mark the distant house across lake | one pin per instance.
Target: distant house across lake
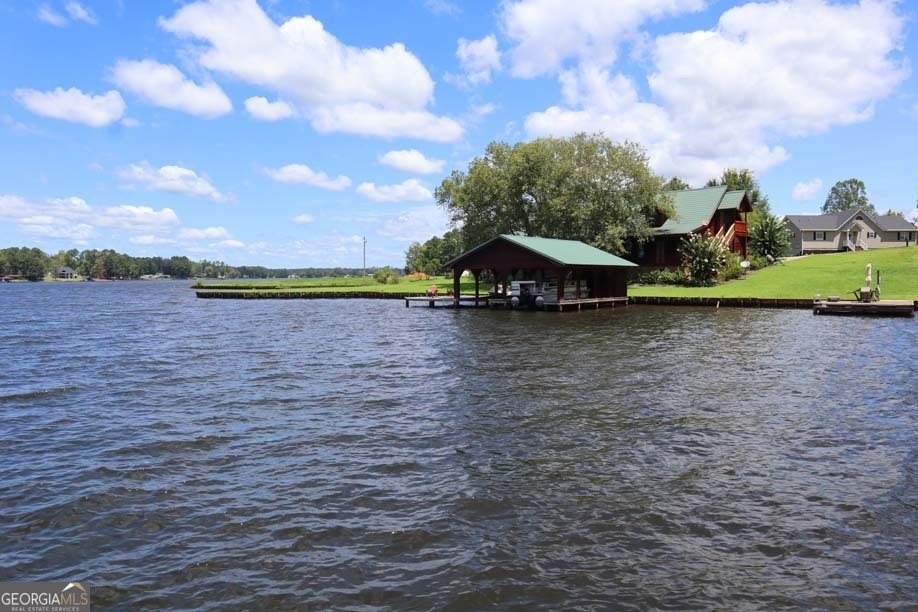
(851, 230)
(716, 210)
(66, 272)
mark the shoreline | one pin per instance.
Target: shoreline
(713, 302)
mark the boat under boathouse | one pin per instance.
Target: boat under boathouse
(542, 273)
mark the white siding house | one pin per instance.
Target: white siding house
(851, 230)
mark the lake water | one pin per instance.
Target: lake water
(356, 454)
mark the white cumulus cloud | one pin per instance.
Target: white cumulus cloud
(174, 179)
(726, 97)
(370, 120)
(149, 239)
(300, 173)
(264, 110)
(50, 16)
(303, 219)
(136, 218)
(208, 233)
(408, 191)
(548, 32)
(78, 12)
(336, 85)
(416, 224)
(76, 219)
(74, 105)
(412, 160)
(229, 244)
(164, 85)
(478, 58)
(805, 191)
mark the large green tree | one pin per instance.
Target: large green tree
(432, 256)
(846, 195)
(582, 188)
(676, 184)
(736, 179)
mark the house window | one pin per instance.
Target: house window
(871, 234)
(859, 218)
(819, 235)
(903, 236)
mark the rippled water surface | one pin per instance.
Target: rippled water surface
(356, 454)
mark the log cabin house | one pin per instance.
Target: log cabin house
(712, 209)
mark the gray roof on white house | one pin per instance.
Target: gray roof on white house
(834, 221)
(894, 223)
(816, 222)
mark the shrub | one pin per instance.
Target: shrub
(386, 276)
(704, 258)
(660, 277)
(733, 269)
(757, 263)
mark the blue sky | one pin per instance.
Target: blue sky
(281, 132)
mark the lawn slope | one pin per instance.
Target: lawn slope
(828, 274)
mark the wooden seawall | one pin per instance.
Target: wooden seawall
(882, 308)
(715, 302)
(708, 302)
(302, 295)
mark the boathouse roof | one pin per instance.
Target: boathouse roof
(561, 252)
(696, 207)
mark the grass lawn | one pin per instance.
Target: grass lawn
(829, 274)
(315, 285)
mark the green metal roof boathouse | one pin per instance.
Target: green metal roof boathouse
(543, 273)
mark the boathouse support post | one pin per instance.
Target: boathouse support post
(457, 274)
(477, 274)
(562, 281)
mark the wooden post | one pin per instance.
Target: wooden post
(457, 273)
(578, 286)
(562, 280)
(477, 274)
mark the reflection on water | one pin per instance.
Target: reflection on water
(312, 454)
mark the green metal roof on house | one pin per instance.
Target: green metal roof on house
(568, 252)
(694, 208)
(732, 199)
(563, 252)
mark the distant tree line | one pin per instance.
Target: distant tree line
(432, 256)
(35, 264)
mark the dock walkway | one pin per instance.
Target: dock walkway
(881, 308)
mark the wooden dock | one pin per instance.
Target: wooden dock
(881, 308)
(447, 301)
(586, 304)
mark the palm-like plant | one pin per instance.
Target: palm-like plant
(704, 257)
(769, 236)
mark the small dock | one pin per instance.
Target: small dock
(881, 308)
(447, 301)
